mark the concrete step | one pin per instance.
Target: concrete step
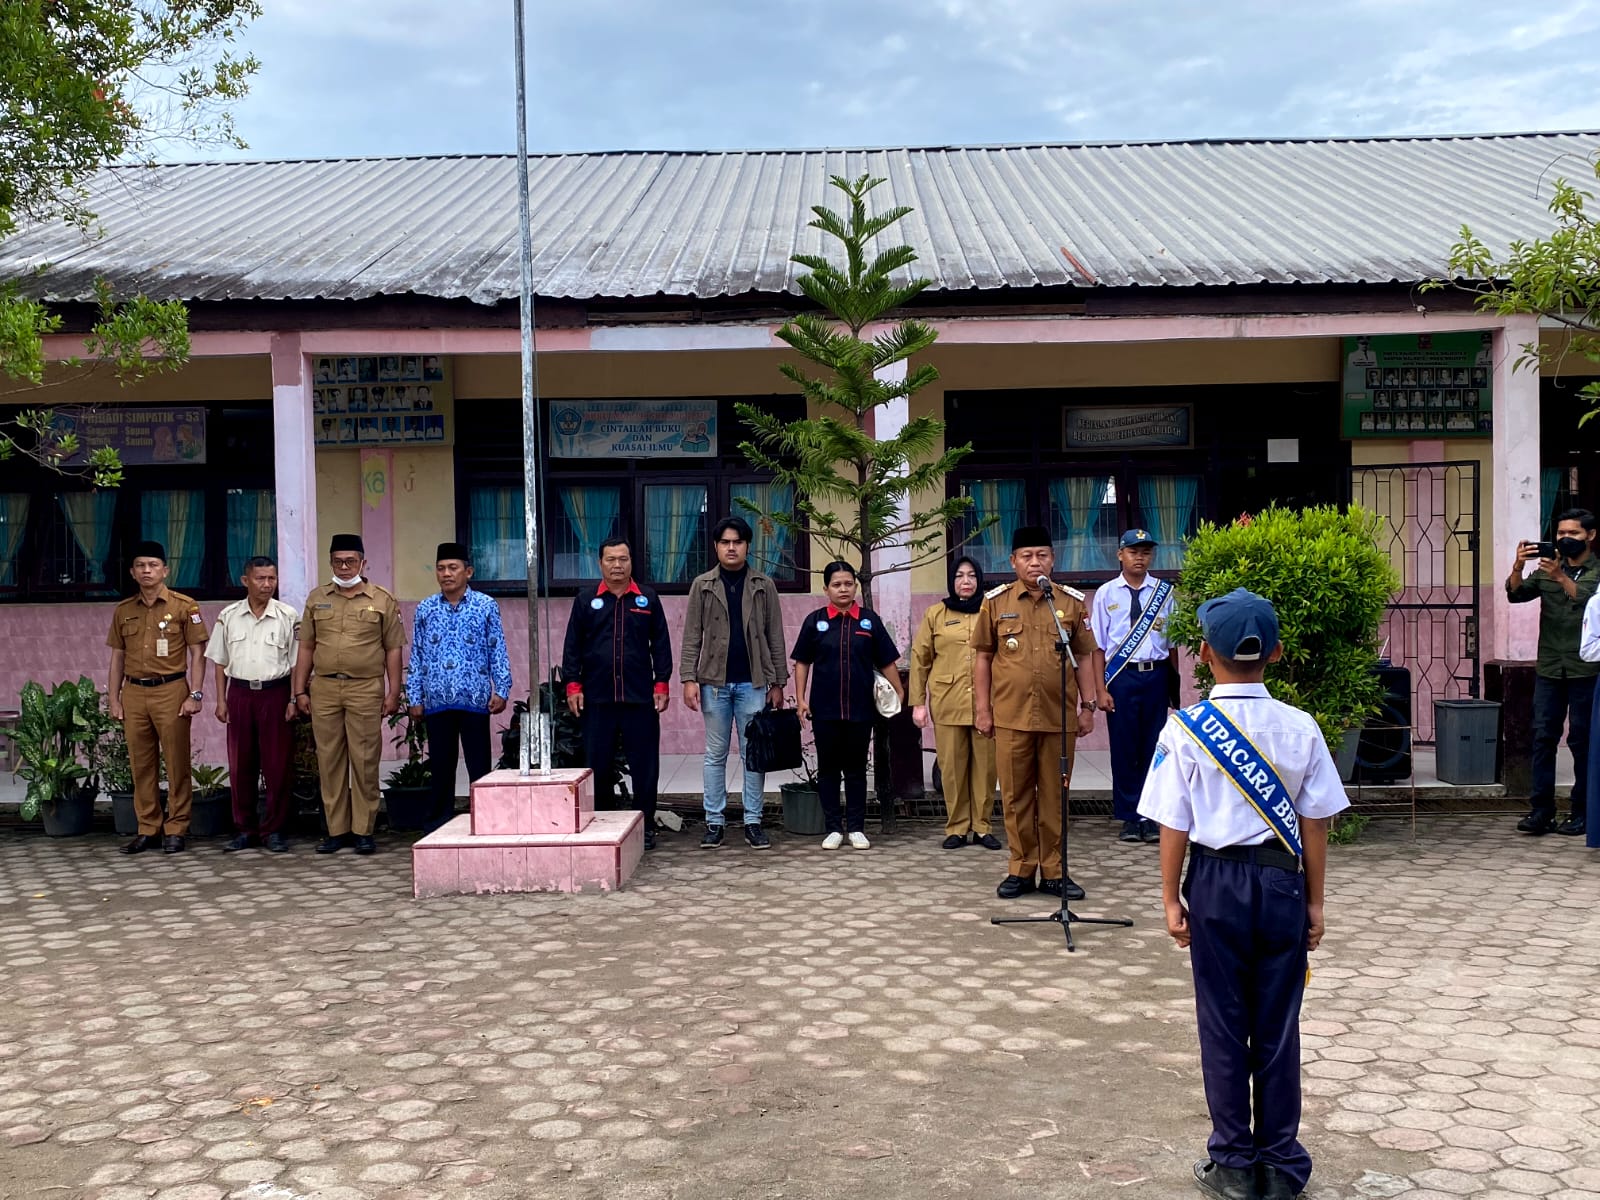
(453, 861)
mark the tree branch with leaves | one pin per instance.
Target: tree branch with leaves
(854, 492)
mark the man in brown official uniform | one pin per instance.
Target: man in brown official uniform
(157, 642)
(351, 634)
(1017, 700)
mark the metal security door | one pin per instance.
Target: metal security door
(1430, 532)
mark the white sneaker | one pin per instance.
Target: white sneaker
(833, 841)
(858, 841)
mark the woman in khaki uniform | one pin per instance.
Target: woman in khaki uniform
(941, 680)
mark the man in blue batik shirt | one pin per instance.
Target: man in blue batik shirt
(459, 675)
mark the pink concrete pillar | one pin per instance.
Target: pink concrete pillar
(377, 515)
(1515, 630)
(294, 469)
(891, 594)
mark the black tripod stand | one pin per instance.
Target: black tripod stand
(1066, 918)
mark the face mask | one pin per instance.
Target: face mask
(1570, 547)
(347, 583)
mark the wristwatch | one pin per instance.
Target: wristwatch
(197, 696)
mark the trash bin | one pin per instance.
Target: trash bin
(1467, 738)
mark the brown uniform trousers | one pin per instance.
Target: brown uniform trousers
(941, 670)
(155, 641)
(1019, 629)
(350, 637)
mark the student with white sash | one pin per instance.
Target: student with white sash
(1128, 617)
(1245, 784)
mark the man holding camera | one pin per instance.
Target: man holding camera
(1563, 689)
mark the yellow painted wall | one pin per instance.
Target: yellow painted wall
(338, 497)
(201, 380)
(424, 515)
(1147, 364)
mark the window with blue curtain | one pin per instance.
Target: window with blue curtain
(1004, 499)
(81, 556)
(586, 515)
(771, 548)
(1082, 519)
(177, 519)
(1552, 481)
(495, 534)
(675, 532)
(13, 521)
(252, 527)
(1168, 509)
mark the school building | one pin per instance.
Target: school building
(1129, 335)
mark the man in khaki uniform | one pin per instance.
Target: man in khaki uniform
(157, 642)
(1018, 701)
(351, 635)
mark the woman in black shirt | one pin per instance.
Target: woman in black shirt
(840, 648)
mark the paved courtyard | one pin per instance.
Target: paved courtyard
(796, 1024)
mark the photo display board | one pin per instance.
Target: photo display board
(382, 400)
(1422, 385)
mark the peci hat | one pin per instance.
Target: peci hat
(1137, 537)
(1241, 626)
(346, 541)
(149, 550)
(452, 550)
(1030, 535)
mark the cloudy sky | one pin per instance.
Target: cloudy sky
(380, 77)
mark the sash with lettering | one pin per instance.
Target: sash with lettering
(1123, 654)
(1246, 768)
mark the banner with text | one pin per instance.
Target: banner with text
(633, 429)
(1411, 385)
(144, 437)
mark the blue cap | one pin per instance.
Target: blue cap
(1241, 625)
(1137, 537)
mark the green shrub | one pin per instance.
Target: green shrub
(1324, 573)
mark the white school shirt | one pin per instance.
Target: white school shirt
(1111, 617)
(1186, 789)
(1589, 641)
(256, 649)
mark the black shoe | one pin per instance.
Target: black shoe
(756, 838)
(1538, 824)
(1013, 886)
(712, 839)
(1054, 886)
(145, 841)
(366, 844)
(277, 843)
(240, 841)
(649, 839)
(333, 843)
(1226, 1183)
(1273, 1184)
(1130, 832)
(1149, 831)
(171, 844)
(989, 842)
(1573, 826)
(955, 841)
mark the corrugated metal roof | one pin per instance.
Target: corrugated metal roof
(714, 224)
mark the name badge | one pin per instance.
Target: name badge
(822, 627)
(161, 647)
(597, 604)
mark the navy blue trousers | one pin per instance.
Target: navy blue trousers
(639, 727)
(450, 731)
(1560, 705)
(1141, 700)
(1247, 927)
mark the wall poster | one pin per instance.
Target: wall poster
(1418, 385)
(382, 400)
(633, 429)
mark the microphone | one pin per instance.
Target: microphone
(1044, 583)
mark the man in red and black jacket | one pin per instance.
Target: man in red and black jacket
(617, 663)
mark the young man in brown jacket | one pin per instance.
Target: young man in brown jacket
(732, 664)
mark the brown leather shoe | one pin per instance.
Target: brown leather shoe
(145, 841)
(171, 844)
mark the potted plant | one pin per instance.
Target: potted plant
(211, 811)
(116, 780)
(407, 794)
(802, 805)
(55, 738)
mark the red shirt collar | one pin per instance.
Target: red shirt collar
(633, 587)
(834, 613)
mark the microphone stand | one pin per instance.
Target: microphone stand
(1064, 917)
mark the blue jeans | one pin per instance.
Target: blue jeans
(720, 706)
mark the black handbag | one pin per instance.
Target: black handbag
(772, 741)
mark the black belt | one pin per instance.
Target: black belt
(1149, 664)
(1264, 855)
(158, 681)
(257, 685)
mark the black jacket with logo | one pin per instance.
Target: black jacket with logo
(617, 648)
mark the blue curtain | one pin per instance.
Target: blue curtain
(88, 517)
(13, 520)
(772, 542)
(495, 533)
(177, 519)
(1003, 498)
(252, 527)
(1167, 503)
(674, 518)
(1549, 488)
(591, 518)
(1077, 508)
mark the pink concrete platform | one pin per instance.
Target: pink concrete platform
(509, 802)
